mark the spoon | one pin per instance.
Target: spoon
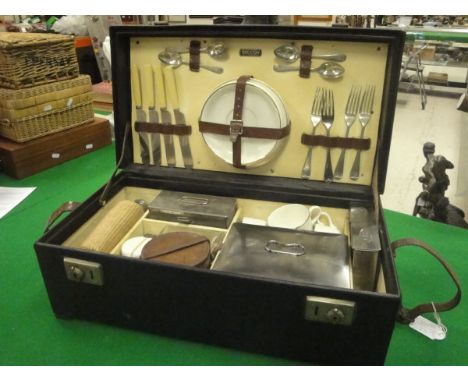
(174, 59)
(290, 53)
(215, 49)
(326, 70)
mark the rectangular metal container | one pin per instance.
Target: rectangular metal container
(286, 255)
(188, 208)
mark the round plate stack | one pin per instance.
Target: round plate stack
(263, 107)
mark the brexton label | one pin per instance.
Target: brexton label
(250, 52)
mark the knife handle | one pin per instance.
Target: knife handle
(159, 85)
(147, 86)
(169, 80)
(136, 86)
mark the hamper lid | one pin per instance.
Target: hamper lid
(150, 112)
(11, 40)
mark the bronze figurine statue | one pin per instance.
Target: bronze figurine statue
(432, 203)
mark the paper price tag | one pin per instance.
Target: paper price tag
(89, 146)
(55, 155)
(428, 328)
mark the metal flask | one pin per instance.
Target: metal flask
(365, 244)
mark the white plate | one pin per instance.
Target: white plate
(263, 107)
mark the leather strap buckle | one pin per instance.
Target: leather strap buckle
(236, 128)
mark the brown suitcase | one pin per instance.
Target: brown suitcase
(20, 160)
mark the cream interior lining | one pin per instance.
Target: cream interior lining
(365, 65)
(246, 208)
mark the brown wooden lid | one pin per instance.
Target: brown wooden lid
(182, 248)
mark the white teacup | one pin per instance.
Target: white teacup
(324, 223)
(298, 216)
(291, 216)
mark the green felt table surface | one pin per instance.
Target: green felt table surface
(31, 335)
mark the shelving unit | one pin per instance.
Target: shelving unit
(447, 56)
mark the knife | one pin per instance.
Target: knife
(149, 98)
(171, 88)
(140, 113)
(165, 116)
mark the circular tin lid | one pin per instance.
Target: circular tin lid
(183, 248)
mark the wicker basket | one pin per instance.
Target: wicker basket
(28, 128)
(31, 59)
(38, 95)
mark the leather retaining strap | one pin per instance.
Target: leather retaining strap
(162, 128)
(306, 61)
(247, 132)
(334, 142)
(236, 129)
(236, 126)
(194, 51)
(405, 315)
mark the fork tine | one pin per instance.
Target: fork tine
(371, 103)
(319, 101)
(349, 104)
(322, 94)
(356, 100)
(316, 103)
(363, 102)
(326, 102)
(332, 104)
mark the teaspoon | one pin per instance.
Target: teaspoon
(290, 54)
(215, 49)
(174, 59)
(327, 70)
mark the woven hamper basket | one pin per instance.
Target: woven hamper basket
(38, 95)
(28, 128)
(31, 59)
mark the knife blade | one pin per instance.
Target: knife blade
(171, 88)
(165, 116)
(140, 113)
(149, 98)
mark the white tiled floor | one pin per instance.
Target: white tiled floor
(440, 123)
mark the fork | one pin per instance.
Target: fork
(315, 118)
(351, 111)
(365, 114)
(328, 115)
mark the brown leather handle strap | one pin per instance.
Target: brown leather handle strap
(162, 128)
(408, 315)
(65, 207)
(336, 142)
(248, 132)
(194, 50)
(306, 61)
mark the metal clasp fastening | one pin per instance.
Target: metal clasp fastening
(294, 249)
(236, 128)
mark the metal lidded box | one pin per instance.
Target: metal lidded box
(221, 111)
(208, 210)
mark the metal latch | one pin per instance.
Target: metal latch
(83, 271)
(236, 128)
(329, 310)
